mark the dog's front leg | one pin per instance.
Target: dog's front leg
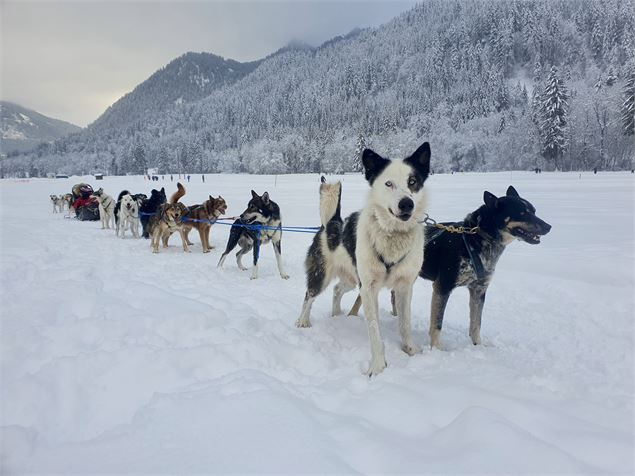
(254, 271)
(402, 303)
(134, 226)
(277, 248)
(377, 352)
(184, 239)
(477, 300)
(437, 309)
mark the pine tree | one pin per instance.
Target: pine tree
(628, 106)
(359, 148)
(553, 115)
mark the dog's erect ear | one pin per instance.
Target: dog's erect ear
(163, 190)
(323, 179)
(420, 160)
(490, 200)
(265, 197)
(511, 192)
(254, 195)
(211, 199)
(374, 165)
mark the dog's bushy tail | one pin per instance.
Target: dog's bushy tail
(330, 201)
(178, 194)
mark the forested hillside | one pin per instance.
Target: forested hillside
(492, 85)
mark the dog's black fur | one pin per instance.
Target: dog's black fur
(448, 264)
(150, 206)
(138, 197)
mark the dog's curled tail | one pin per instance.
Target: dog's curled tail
(178, 194)
(330, 201)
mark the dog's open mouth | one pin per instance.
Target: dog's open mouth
(531, 238)
(402, 216)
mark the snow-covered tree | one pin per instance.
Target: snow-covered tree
(628, 106)
(553, 116)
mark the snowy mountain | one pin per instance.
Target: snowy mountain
(22, 129)
(469, 76)
(186, 79)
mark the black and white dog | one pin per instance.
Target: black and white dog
(264, 212)
(149, 207)
(452, 260)
(381, 246)
(127, 212)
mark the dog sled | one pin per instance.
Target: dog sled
(86, 206)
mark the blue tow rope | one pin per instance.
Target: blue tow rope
(258, 228)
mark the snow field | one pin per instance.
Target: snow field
(117, 360)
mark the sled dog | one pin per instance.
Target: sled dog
(380, 246)
(128, 216)
(264, 212)
(106, 208)
(452, 260)
(167, 221)
(58, 203)
(67, 200)
(208, 212)
(150, 206)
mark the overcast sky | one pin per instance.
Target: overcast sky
(72, 59)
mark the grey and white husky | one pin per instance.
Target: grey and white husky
(106, 208)
(380, 246)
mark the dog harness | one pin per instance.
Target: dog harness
(387, 265)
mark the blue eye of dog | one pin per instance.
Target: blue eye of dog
(411, 181)
(389, 184)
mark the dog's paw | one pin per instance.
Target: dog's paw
(205, 251)
(303, 323)
(376, 367)
(284, 276)
(242, 268)
(155, 251)
(476, 338)
(411, 349)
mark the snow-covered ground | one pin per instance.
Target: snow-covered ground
(118, 360)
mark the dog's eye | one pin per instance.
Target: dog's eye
(411, 182)
(389, 184)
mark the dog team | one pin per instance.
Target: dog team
(384, 245)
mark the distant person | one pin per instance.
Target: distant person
(188, 178)
(162, 177)
(595, 170)
(633, 171)
(203, 177)
(171, 178)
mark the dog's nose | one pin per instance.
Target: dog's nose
(547, 228)
(406, 205)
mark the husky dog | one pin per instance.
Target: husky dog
(264, 212)
(58, 203)
(381, 246)
(128, 216)
(452, 260)
(67, 201)
(106, 208)
(208, 212)
(149, 207)
(167, 221)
